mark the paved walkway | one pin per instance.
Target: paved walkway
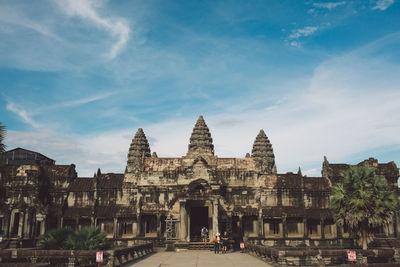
(199, 258)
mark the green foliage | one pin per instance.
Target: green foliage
(86, 238)
(363, 201)
(56, 239)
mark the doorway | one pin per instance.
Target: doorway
(198, 220)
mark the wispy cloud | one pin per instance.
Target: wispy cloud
(22, 114)
(329, 5)
(83, 101)
(10, 15)
(382, 4)
(87, 9)
(337, 112)
(306, 31)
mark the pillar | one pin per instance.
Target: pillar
(158, 225)
(11, 223)
(6, 225)
(135, 228)
(214, 220)
(26, 224)
(21, 223)
(322, 227)
(183, 220)
(260, 224)
(240, 225)
(115, 228)
(284, 226)
(139, 225)
(42, 226)
(305, 231)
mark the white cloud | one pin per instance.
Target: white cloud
(11, 16)
(87, 9)
(348, 106)
(382, 4)
(22, 114)
(306, 31)
(329, 5)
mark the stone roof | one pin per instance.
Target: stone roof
(200, 140)
(82, 184)
(21, 156)
(110, 181)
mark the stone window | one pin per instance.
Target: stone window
(329, 228)
(314, 228)
(126, 228)
(294, 226)
(109, 228)
(273, 227)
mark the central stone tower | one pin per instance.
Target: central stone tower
(200, 141)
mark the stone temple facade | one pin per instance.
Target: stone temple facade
(163, 199)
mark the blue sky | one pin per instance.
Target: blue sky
(78, 77)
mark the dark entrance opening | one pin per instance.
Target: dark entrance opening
(198, 219)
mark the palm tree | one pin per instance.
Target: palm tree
(2, 137)
(363, 201)
(56, 239)
(88, 238)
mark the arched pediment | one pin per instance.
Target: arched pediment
(200, 161)
(199, 185)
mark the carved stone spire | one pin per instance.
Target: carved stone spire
(262, 150)
(138, 150)
(201, 141)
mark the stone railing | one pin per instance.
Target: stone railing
(308, 256)
(110, 257)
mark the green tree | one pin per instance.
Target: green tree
(88, 238)
(363, 201)
(56, 239)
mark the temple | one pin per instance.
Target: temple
(171, 199)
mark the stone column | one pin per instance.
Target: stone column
(183, 220)
(240, 226)
(214, 220)
(21, 223)
(158, 225)
(11, 223)
(6, 225)
(284, 226)
(42, 226)
(135, 228)
(322, 228)
(115, 228)
(305, 227)
(260, 224)
(27, 222)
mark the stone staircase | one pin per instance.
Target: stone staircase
(200, 246)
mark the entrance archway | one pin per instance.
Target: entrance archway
(198, 220)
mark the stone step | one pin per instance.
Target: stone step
(200, 246)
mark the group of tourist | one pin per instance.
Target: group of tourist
(220, 241)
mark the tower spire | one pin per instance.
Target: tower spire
(138, 150)
(200, 140)
(262, 151)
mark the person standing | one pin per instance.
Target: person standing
(204, 234)
(225, 240)
(216, 244)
